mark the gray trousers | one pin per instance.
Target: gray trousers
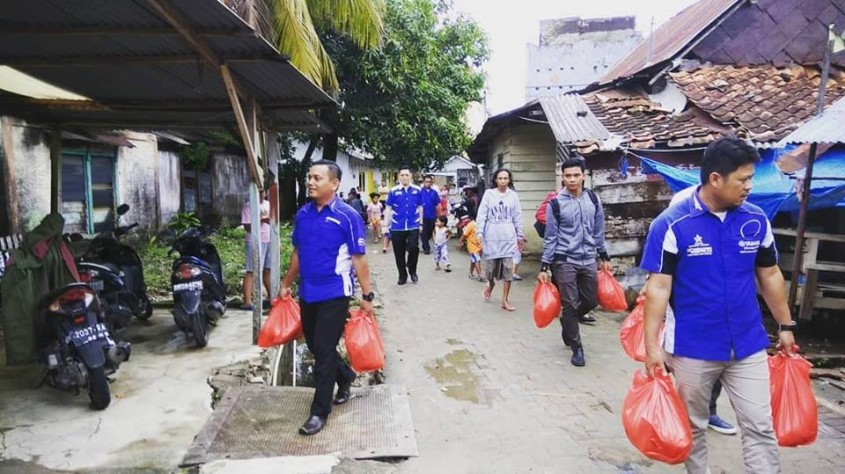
(747, 383)
(577, 285)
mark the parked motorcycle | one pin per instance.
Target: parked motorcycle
(79, 351)
(115, 271)
(199, 295)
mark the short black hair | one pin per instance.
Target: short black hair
(372, 195)
(504, 170)
(405, 167)
(574, 161)
(334, 170)
(429, 176)
(726, 155)
(443, 219)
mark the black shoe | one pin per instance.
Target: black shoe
(427, 252)
(414, 278)
(587, 319)
(312, 426)
(402, 281)
(578, 357)
(344, 393)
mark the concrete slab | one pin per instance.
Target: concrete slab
(160, 400)
(260, 421)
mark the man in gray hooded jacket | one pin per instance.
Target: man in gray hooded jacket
(574, 238)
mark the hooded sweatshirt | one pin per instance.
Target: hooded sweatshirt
(499, 223)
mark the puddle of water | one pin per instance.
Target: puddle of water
(454, 375)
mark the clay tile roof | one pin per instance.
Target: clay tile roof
(762, 102)
(642, 123)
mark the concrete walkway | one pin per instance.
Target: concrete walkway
(490, 392)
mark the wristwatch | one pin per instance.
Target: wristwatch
(368, 296)
(788, 327)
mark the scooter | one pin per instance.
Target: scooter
(199, 295)
(115, 271)
(79, 351)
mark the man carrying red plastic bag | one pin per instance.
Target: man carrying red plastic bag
(709, 253)
(329, 245)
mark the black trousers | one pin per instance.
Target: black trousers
(425, 236)
(577, 285)
(323, 324)
(406, 241)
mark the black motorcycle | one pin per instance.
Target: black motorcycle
(115, 271)
(199, 295)
(78, 351)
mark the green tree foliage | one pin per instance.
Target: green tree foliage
(406, 101)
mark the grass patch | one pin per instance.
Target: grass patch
(230, 246)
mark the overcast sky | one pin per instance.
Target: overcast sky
(510, 25)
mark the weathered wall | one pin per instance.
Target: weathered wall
(136, 179)
(350, 167)
(168, 185)
(529, 152)
(230, 184)
(572, 54)
(27, 151)
(630, 203)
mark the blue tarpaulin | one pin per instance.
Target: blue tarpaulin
(772, 190)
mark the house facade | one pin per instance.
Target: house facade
(101, 171)
(719, 67)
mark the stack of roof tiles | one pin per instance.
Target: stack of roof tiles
(763, 103)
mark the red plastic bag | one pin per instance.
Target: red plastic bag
(283, 325)
(546, 304)
(656, 420)
(610, 293)
(363, 342)
(632, 332)
(794, 409)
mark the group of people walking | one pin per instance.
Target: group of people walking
(707, 255)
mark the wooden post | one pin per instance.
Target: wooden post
(808, 184)
(272, 160)
(55, 170)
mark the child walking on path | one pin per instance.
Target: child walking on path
(374, 211)
(470, 237)
(441, 236)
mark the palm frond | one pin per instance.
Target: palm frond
(297, 38)
(362, 21)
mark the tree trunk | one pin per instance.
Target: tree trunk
(303, 171)
(330, 147)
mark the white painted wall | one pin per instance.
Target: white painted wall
(136, 179)
(27, 150)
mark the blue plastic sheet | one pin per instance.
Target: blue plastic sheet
(772, 190)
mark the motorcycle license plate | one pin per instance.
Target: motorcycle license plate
(189, 286)
(80, 337)
(96, 285)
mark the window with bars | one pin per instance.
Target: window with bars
(88, 187)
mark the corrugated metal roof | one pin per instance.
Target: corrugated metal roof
(571, 119)
(137, 69)
(670, 38)
(826, 128)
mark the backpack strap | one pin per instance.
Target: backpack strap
(593, 196)
(556, 209)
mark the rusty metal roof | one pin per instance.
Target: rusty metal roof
(670, 38)
(571, 119)
(826, 128)
(140, 72)
(763, 103)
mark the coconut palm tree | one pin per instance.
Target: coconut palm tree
(293, 25)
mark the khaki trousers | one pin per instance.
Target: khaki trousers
(747, 383)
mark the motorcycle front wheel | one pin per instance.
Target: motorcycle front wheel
(199, 328)
(98, 388)
(146, 310)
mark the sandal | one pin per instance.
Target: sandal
(487, 293)
(508, 307)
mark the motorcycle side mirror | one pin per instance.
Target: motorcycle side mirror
(122, 209)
